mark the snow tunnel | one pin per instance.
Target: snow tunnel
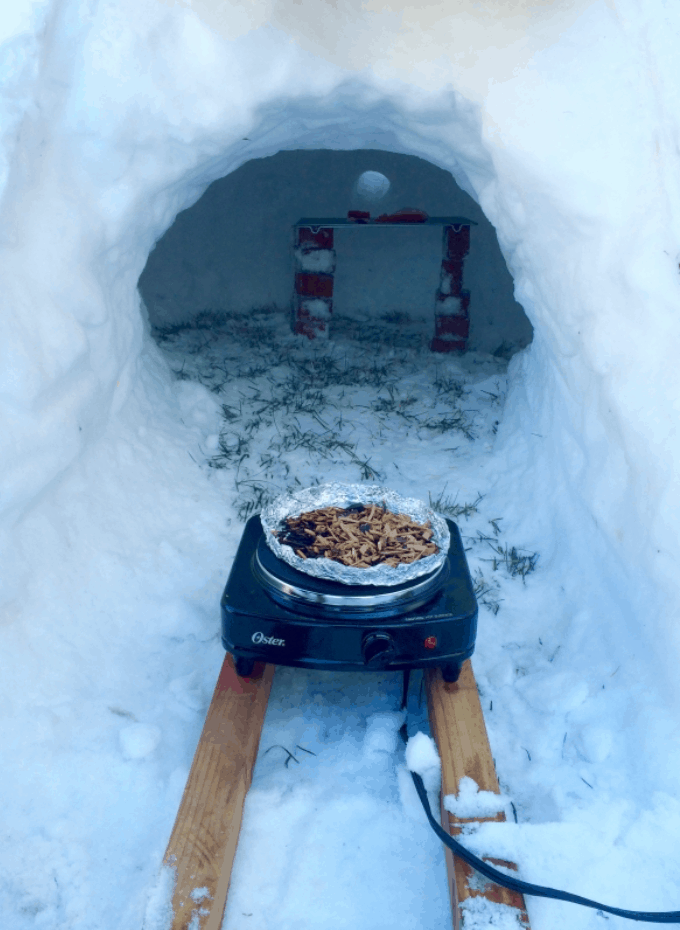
(235, 250)
(116, 122)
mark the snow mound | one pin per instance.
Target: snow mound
(471, 802)
(422, 757)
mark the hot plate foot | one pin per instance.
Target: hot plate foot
(450, 671)
(244, 667)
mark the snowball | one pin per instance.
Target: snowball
(471, 802)
(372, 185)
(139, 740)
(422, 757)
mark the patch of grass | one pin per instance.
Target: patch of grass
(252, 499)
(448, 506)
(455, 422)
(449, 387)
(517, 562)
(487, 592)
(233, 448)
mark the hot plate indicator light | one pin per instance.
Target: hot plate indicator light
(430, 642)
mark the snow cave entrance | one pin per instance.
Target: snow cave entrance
(358, 402)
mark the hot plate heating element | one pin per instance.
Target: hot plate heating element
(274, 613)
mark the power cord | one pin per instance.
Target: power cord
(515, 884)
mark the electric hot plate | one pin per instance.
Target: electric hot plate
(275, 613)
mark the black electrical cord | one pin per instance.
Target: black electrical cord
(515, 884)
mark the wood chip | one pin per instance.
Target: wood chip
(358, 536)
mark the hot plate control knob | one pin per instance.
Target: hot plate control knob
(378, 649)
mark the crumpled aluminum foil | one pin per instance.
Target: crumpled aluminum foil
(342, 495)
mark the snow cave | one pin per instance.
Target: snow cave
(233, 250)
(154, 158)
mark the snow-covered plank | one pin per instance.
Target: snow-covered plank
(458, 727)
(203, 841)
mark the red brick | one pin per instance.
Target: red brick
(306, 324)
(456, 242)
(452, 276)
(451, 326)
(313, 285)
(448, 345)
(321, 238)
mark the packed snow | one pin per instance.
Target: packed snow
(130, 459)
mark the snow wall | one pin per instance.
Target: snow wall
(234, 249)
(560, 120)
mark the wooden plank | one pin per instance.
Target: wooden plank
(203, 841)
(458, 727)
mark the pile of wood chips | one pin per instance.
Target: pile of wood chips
(359, 536)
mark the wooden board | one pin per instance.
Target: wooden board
(203, 841)
(458, 727)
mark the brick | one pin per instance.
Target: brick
(312, 318)
(313, 285)
(456, 242)
(451, 281)
(315, 238)
(311, 328)
(451, 326)
(314, 308)
(448, 345)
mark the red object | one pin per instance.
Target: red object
(457, 242)
(359, 216)
(306, 324)
(448, 345)
(451, 326)
(313, 285)
(430, 642)
(321, 238)
(453, 269)
(405, 215)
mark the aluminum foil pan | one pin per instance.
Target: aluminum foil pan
(342, 495)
